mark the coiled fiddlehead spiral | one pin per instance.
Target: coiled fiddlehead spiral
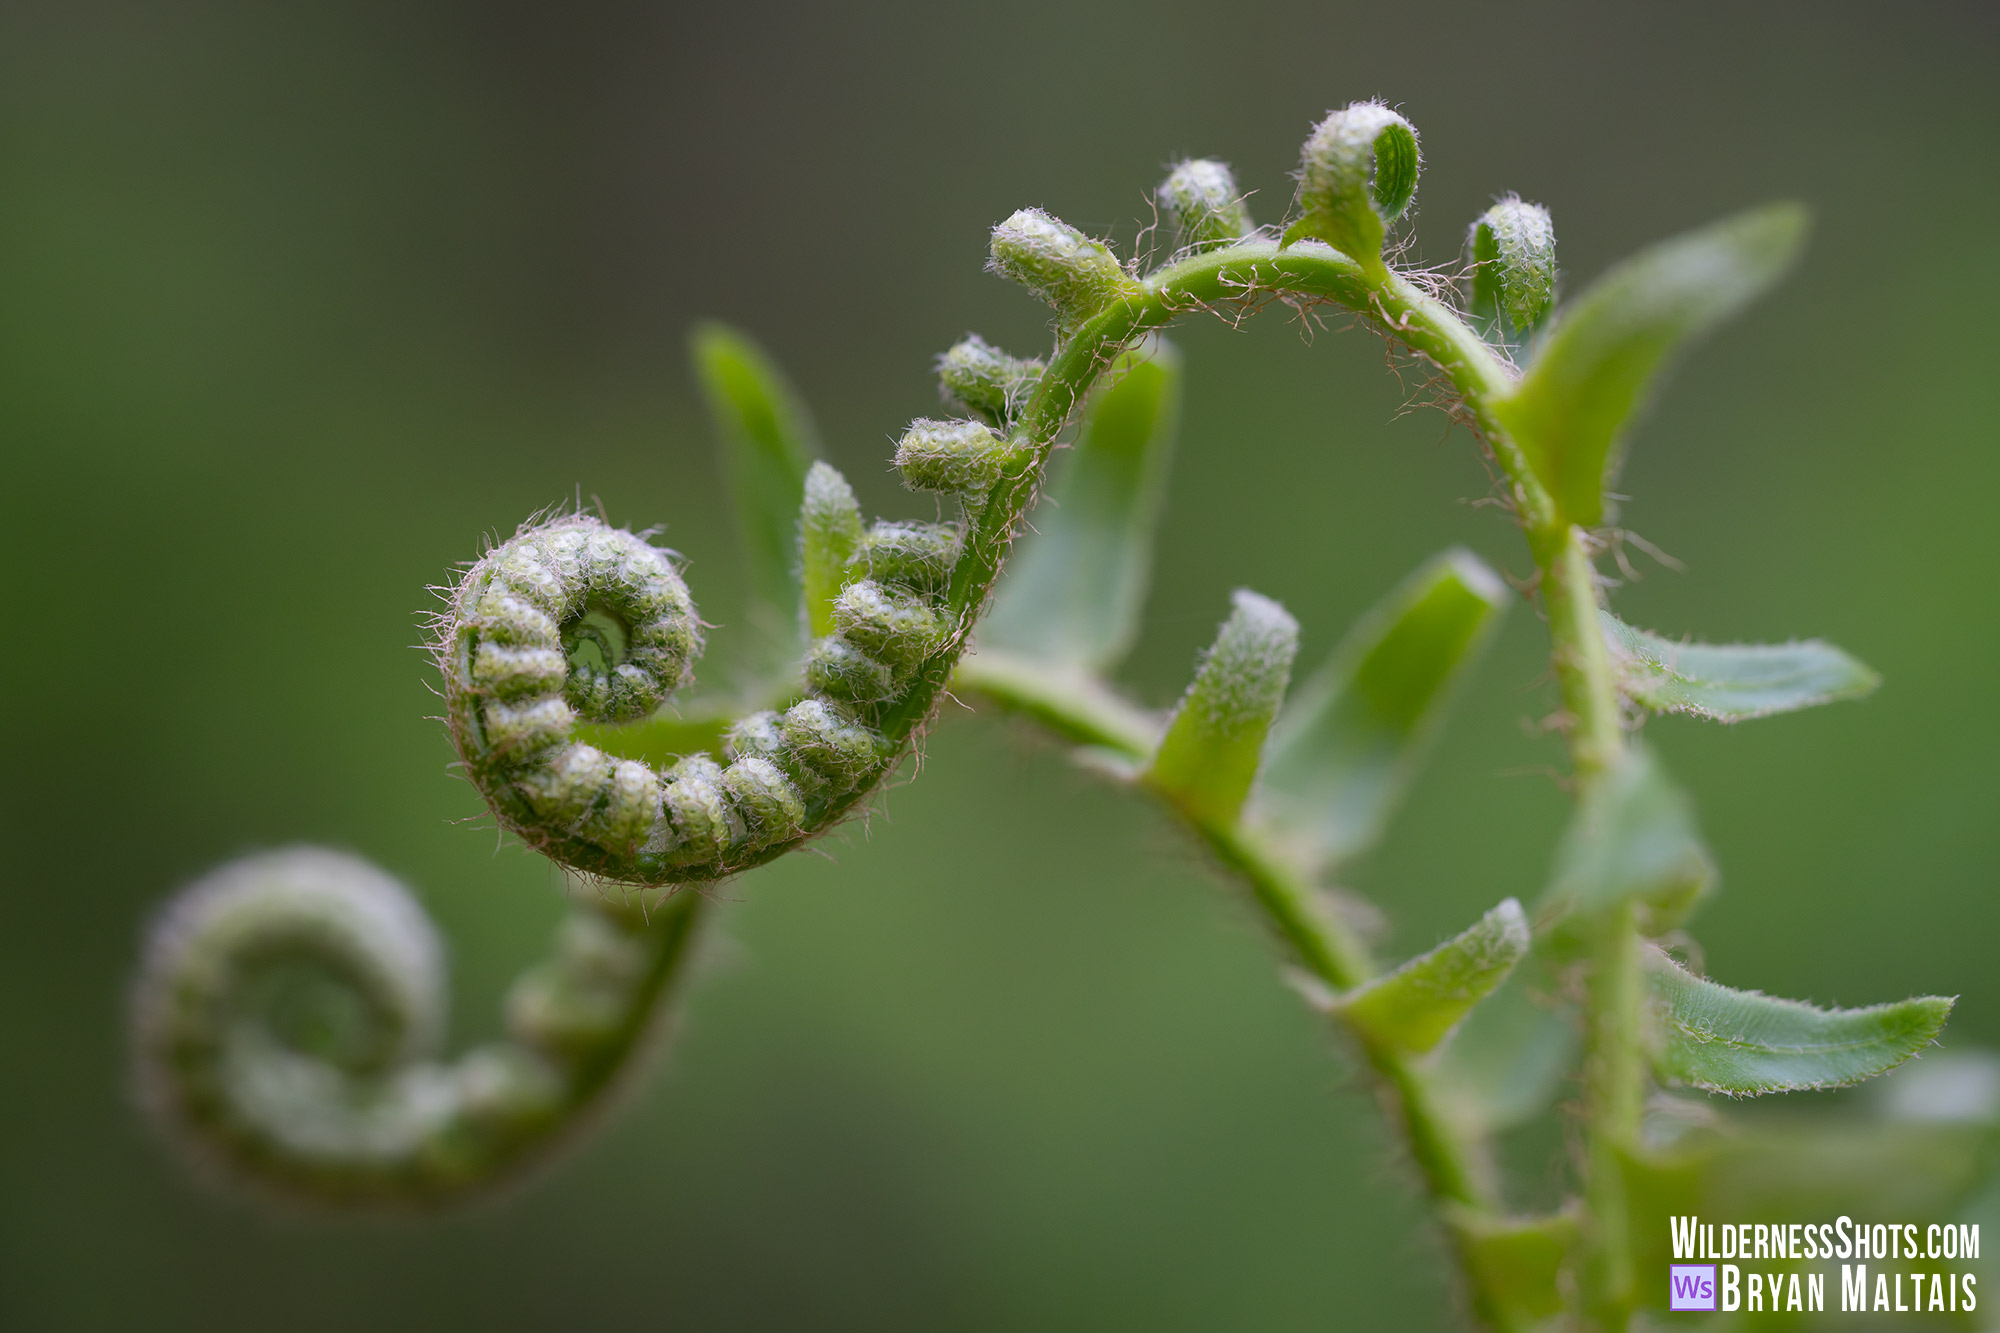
(518, 679)
(289, 1012)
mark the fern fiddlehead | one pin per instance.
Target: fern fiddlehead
(287, 1017)
(289, 1011)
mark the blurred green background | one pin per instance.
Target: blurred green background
(297, 301)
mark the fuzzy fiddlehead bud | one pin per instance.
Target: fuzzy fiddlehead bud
(1062, 266)
(289, 1013)
(576, 621)
(573, 622)
(952, 457)
(1357, 174)
(1202, 207)
(1511, 249)
(981, 379)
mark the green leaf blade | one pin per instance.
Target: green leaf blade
(1209, 755)
(1633, 837)
(1745, 1043)
(829, 533)
(1414, 1007)
(1599, 361)
(1519, 1260)
(1345, 748)
(766, 442)
(1732, 682)
(1509, 1060)
(1073, 591)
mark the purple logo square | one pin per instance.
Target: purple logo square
(1691, 1287)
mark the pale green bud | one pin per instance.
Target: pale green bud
(837, 668)
(1512, 247)
(1055, 261)
(896, 628)
(980, 378)
(955, 457)
(917, 556)
(1201, 205)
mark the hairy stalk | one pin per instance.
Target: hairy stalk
(1614, 1073)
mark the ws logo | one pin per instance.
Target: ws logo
(1692, 1287)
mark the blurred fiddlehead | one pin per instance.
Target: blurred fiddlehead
(289, 1012)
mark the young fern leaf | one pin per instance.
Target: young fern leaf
(979, 378)
(766, 442)
(829, 535)
(1357, 175)
(1744, 1043)
(1210, 753)
(1507, 1062)
(1511, 250)
(1519, 1260)
(518, 684)
(1731, 682)
(1595, 367)
(1352, 735)
(1414, 1007)
(1072, 594)
(1074, 274)
(1633, 837)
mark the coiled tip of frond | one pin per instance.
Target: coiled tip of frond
(285, 1024)
(1357, 173)
(575, 620)
(287, 1021)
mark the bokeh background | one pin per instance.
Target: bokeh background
(298, 301)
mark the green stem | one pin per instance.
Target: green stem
(1582, 664)
(1614, 1073)
(1614, 1085)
